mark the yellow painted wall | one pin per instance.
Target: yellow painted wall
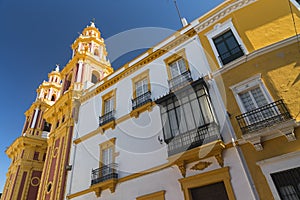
(280, 71)
(259, 24)
(272, 148)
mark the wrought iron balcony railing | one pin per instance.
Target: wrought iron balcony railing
(141, 100)
(180, 80)
(194, 138)
(231, 55)
(104, 173)
(107, 117)
(264, 116)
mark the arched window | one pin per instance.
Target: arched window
(95, 77)
(96, 52)
(67, 83)
(53, 98)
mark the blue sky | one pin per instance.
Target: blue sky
(35, 35)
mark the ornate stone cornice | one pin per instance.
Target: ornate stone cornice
(222, 13)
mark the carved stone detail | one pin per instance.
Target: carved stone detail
(181, 166)
(220, 159)
(201, 165)
(223, 13)
(289, 133)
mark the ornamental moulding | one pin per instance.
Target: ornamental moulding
(223, 13)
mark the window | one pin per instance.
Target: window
(214, 184)
(36, 155)
(108, 105)
(53, 98)
(108, 110)
(187, 119)
(288, 183)
(67, 82)
(141, 87)
(141, 91)
(178, 70)
(107, 167)
(258, 108)
(47, 126)
(251, 94)
(228, 47)
(252, 99)
(95, 77)
(210, 192)
(226, 43)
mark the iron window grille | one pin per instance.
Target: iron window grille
(180, 80)
(107, 117)
(287, 183)
(141, 100)
(188, 119)
(265, 116)
(104, 173)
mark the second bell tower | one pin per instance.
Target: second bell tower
(88, 65)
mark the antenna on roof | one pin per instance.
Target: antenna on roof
(182, 19)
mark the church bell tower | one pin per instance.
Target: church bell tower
(28, 152)
(89, 65)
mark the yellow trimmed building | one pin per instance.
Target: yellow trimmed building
(254, 55)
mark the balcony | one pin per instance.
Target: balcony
(267, 121)
(104, 173)
(141, 100)
(194, 138)
(104, 177)
(141, 103)
(180, 80)
(231, 55)
(107, 121)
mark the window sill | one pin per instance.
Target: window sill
(146, 107)
(285, 128)
(108, 184)
(107, 126)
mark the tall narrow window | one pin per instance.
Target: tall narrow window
(177, 67)
(141, 90)
(108, 110)
(67, 82)
(188, 119)
(107, 167)
(227, 47)
(178, 70)
(108, 105)
(95, 77)
(141, 87)
(107, 160)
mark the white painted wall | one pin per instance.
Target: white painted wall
(137, 139)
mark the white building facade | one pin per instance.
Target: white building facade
(157, 129)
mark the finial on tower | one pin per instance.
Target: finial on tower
(93, 22)
(57, 68)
